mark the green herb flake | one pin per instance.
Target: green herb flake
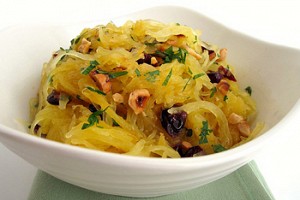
(72, 41)
(77, 40)
(112, 74)
(186, 84)
(198, 75)
(151, 44)
(169, 55)
(212, 92)
(151, 76)
(167, 78)
(93, 119)
(196, 39)
(117, 74)
(204, 132)
(249, 90)
(218, 148)
(115, 123)
(50, 80)
(95, 90)
(100, 71)
(66, 50)
(88, 69)
(62, 58)
(137, 72)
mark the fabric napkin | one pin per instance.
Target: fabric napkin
(244, 183)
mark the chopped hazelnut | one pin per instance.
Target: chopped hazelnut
(223, 86)
(118, 98)
(138, 100)
(84, 46)
(223, 54)
(235, 118)
(102, 81)
(244, 128)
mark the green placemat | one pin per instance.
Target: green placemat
(244, 183)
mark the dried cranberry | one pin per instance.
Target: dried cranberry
(209, 51)
(92, 108)
(36, 128)
(173, 123)
(226, 73)
(215, 77)
(146, 59)
(192, 151)
(53, 97)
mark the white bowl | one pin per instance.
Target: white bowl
(271, 70)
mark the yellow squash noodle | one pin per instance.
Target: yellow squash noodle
(145, 88)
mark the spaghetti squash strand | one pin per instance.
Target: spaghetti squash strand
(145, 88)
(225, 136)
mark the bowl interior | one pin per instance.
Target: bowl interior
(267, 68)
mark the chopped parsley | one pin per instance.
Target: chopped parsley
(249, 90)
(117, 74)
(167, 78)
(169, 55)
(115, 123)
(150, 43)
(204, 132)
(212, 92)
(186, 84)
(218, 148)
(198, 75)
(93, 119)
(112, 74)
(63, 57)
(95, 90)
(88, 69)
(66, 50)
(50, 79)
(196, 39)
(151, 76)
(137, 72)
(190, 71)
(77, 40)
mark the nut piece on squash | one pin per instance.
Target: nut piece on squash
(244, 129)
(235, 118)
(84, 46)
(118, 98)
(102, 82)
(138, 100)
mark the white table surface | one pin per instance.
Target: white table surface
(272, 21)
